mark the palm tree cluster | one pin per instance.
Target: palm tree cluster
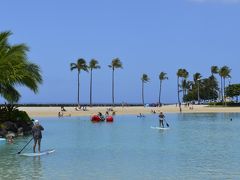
(81, 65)
(204, 89)
(233, 90)
(16, 69)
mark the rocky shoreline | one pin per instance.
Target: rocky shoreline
(9, 128)
(14, 122)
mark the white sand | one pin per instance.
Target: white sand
(53, 111)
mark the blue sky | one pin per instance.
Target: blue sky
(148, 36)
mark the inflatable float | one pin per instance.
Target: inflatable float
(109, 119)
(96, 118)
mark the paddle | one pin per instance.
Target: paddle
(25, 146)
(166, 122)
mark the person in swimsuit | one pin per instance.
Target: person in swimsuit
(37, 135)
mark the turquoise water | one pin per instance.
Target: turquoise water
(198, 146)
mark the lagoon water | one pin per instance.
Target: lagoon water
(197, 146)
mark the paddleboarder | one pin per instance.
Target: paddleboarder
(161, 118)
(37, 135)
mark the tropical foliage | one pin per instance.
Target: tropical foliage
(205, 89)
(233, 90)
(80, 65)
(16, 69)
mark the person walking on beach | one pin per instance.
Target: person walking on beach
(37, 135)
(161, 118)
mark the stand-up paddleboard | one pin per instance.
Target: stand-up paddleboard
(157, 127)
(2, 140)
(49, 151)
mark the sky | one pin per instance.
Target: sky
(148, 36)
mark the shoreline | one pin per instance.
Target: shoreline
(127, 110)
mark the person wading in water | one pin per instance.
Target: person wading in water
(37, 135)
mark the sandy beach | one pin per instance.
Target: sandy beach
(70, 111)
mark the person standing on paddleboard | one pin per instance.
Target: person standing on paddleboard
(37, 135)
(161, 118)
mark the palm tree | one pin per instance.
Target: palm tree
(214, 70)
(185, 75)
(16, 69)
(197, 78)
(116, 63)
(162, 77)
(144, 79)
(224, 73)
(80, 65)
(180, 73)
(93, 64)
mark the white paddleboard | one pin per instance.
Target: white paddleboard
(157, 127)
(49, 151)
(2, 140)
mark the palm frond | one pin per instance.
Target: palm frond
(145, 78)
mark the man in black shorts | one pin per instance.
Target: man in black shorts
(161, 118)
(37, 135)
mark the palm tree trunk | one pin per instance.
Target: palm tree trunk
(143, 93)
(224, 91)
(78, 86)
(213, 78)
(182, 90)
(113, 87)
(91, 88)
(222, 88)
(160, 90)
(179, 103)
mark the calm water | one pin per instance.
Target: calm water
(198, 146)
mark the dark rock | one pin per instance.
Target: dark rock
(9, 126)
(20, 131)
(3, 132)
(10, 134)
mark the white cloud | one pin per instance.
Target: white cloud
(217, 1)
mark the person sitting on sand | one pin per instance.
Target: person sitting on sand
(62, 108)
(37, 135)
(60, 114)
(161, 119)
(78, 108)
(153, 111)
